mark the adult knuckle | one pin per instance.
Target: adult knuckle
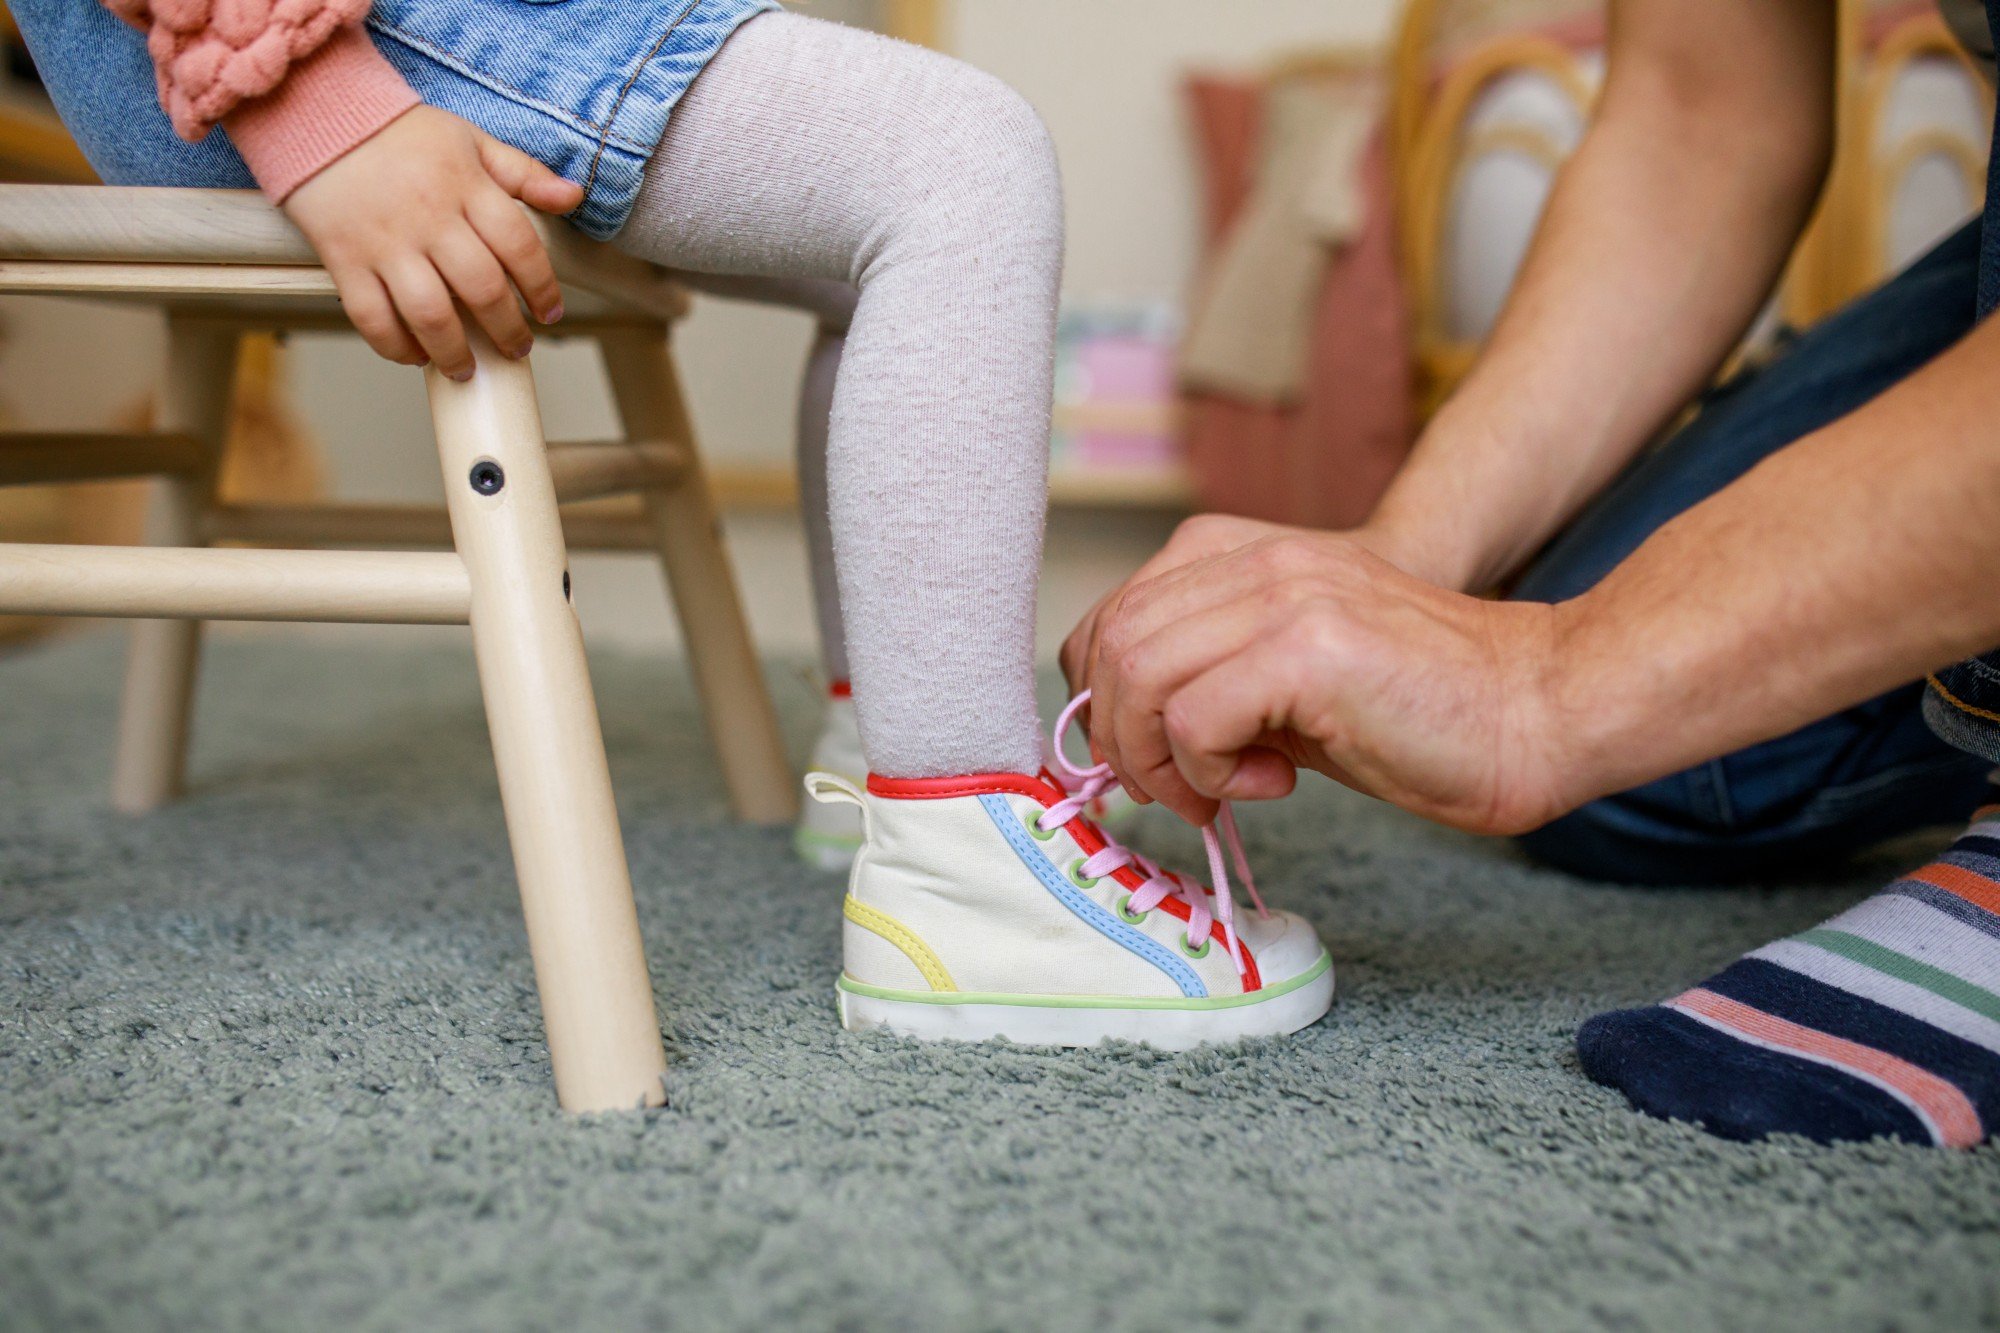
(1294, 555)
(1319, 629)
(1195, 528)
(1139, 668)
(1181, 720)
(1113, 641)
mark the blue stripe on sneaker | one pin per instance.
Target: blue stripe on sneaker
(1797, 998)
(1949, 903)
(1671, 1066)
(1086, 908)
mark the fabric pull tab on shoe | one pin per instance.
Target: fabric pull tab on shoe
(832, 789)
(835, 789)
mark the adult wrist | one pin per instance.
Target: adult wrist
(1601, 702)
(1415, 549)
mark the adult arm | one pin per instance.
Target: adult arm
(1858, 558)
(1663, 236)
(1665, 232)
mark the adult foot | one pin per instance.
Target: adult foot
(1882, 1023)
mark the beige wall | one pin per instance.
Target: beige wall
(1105, 74)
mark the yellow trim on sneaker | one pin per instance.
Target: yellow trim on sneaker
(900, 935)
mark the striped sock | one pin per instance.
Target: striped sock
(1883, 1022)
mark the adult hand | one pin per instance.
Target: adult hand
(1220, 678)
(1195, 538)
(425, 213)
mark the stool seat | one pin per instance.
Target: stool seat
(170, 246)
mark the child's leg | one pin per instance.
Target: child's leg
(831, 304)
(815, 416)
(828, 835)
(983, 902)
(807, 149)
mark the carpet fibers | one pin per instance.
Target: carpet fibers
(271, 1059)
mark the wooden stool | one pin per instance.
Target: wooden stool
(221, 263)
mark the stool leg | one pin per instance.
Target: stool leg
(576, 889)
(158, 703)
(736, 705)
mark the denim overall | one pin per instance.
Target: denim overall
(584, 85)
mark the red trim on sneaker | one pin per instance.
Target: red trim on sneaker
(971, 784)
(839, 689)
(1045, 790)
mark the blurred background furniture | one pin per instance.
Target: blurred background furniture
(1483, 101)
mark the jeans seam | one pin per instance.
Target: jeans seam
(1719, 783)
(631, 81)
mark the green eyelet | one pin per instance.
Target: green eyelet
(1078, 878)
(1127, 915)
(1033, 819)
(1194, 953)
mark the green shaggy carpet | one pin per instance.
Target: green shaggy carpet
(271, 1059)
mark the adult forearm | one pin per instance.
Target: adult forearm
(1664, 235)
(1858, 559)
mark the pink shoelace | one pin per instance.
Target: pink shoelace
(1086, 785)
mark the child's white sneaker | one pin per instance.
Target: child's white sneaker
(991, 906)
(828, 835)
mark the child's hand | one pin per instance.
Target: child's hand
(423, 213)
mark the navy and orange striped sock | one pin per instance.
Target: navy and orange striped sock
(1883, 1022)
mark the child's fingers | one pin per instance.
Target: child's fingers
(476, 278)
(369, 309)
(514, 242)
(424, 302)
(527, 179)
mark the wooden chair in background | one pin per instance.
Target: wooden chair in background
(1452, 57)
(1888, 139)
(222, 265)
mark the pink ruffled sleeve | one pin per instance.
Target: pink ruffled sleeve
(295, 83)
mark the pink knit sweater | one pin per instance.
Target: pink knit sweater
(295, 83)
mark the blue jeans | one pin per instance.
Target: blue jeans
(1840, 784)
(585, 86)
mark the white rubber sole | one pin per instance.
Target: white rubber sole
(1032, 1020)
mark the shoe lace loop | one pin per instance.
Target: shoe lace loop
(1085, 785)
